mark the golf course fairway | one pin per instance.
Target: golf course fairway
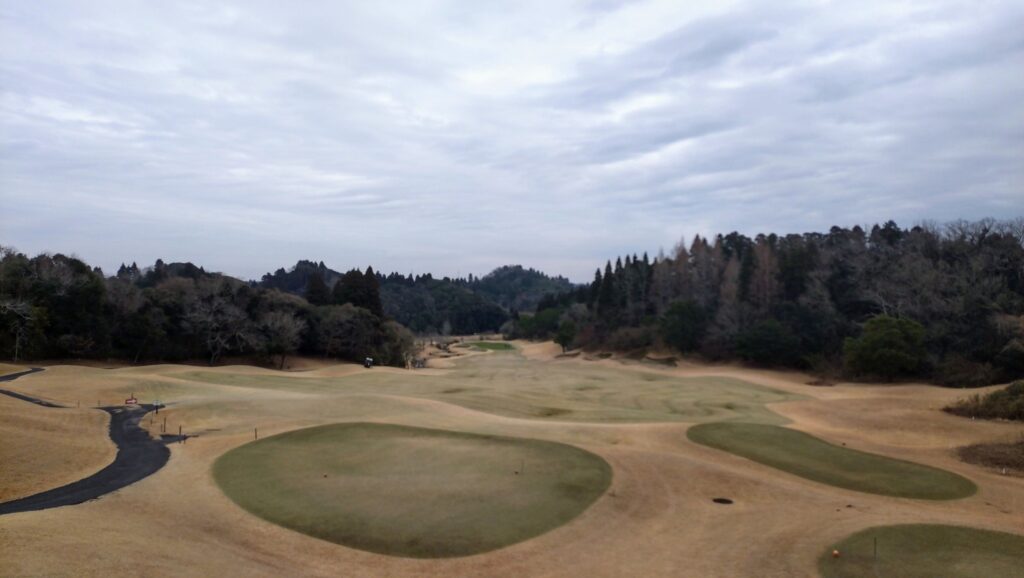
(809, 457)
(412, 492)
(925, 551)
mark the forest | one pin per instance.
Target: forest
(938, 302)
(429, 305)
(58, 307)
(55, 306)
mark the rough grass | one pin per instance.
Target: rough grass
(412, 492)
(809, 457)
(1006, 403)
(925, 551)
(493, 345)
(511, 386)
(1000, 456)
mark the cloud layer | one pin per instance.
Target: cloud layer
(453, 137)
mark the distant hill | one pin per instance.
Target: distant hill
(296, 279)
(516, 288)
(426, 304)
(160, 271)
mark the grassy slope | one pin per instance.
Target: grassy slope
(511, 386)
(809, 457)
(925, 551)
(410, 491)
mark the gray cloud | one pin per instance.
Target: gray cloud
(457, 136)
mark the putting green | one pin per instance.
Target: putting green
(809, 457)
(409, 491)
(925, 551)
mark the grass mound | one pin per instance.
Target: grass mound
(809, 457)
(925, 551)
(1006, 403)
(409, 491)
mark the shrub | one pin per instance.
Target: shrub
(958, 371)
(888, 347)
(566, 334)
(1006, 403)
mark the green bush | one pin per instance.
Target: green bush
(889, 347)
(566, 334)
(1006, 403)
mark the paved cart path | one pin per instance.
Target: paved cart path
(138, 456)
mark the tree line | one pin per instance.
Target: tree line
(55, 306)
(938, 302)
(423, 303)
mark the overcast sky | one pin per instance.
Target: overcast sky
(454, 137)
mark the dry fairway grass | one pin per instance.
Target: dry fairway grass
(657, 519)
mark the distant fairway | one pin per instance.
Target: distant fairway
(809, 457)
(493, 345)
(926, 551)
(409, 491)
(512, 386)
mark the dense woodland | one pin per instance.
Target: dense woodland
(934, 302)
(428, 305)
(58, 307)
(944, 303)
(55, 306)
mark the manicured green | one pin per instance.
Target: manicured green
(809, 457)
(925, 551)
(409, 491)
(493, 345)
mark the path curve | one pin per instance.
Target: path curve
(138, 456)
(23, 397)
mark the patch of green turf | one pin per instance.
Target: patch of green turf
(494, 345)
(925, 551)
(809, 457)
(409, 491)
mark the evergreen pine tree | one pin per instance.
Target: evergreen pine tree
(317, 292)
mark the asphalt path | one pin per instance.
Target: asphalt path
(138, 456)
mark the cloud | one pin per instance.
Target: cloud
(455, 136)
